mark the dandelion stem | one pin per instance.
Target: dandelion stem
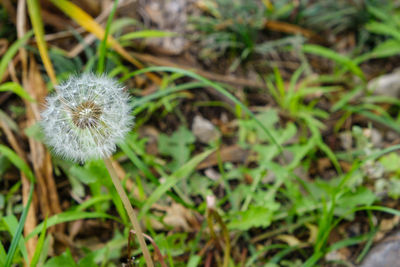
(129, 210)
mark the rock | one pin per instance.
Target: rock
(386, 85)
(374, 136)
(168, 16)
(346, 140)
(374, 170)
(204, 130)
(334, 256)
(212, 174)
(385, 254)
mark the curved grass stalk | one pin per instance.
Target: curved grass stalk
(129, 210)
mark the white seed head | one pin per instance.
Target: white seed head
(86, 117)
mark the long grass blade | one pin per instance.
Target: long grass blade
(103, 44)
(19, 163)
(38, 250)
(37, 23)
(214, 85)
(11, 224)
(16, 89)
(146, 34)
(330, 54)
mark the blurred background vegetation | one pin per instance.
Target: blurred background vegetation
(266, 132)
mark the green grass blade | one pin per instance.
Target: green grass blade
(387, 48)
(346, 98)
(380, 153)
(146, 34)
(348, 242)
(16, 89)
(181, 173)
(17, 161)
(368, 245)
(16, 239)
(138, 163)
(12, 50)
(380, 208)
(194, 261)
(103, 44)
(93, 201)
(3, 255)
(21, 165)
(69, 216)
(167, 91)
(313, 259)
(292, 85)
(126, 147)
(378, 13)
(10, 223)
(39, 245)
(330, 54)
(280, 85)
(385, 120)
(332, 157)
(384, 29)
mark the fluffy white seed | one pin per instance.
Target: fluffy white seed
(86, 117)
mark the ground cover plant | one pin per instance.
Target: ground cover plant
(254, 133)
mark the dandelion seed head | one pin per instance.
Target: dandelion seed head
(86, 117)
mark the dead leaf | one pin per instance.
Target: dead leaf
(232, 153)
(385, 226)
(40, 157)
(313, 233)
(179, 217)
(289, 239)
(323, 164)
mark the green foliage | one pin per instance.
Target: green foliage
(178, 146)
(254, 216)
(291, 98)
(389, 183)
(96, 176)
(231, 27)
(384, 26)
(64, 259)
(39, 246)
(183, 172)
(336, 16)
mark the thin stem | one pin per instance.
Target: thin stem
(129, 210)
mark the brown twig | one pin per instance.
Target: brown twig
(3, 46)
(213, 214)
(156, 249)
